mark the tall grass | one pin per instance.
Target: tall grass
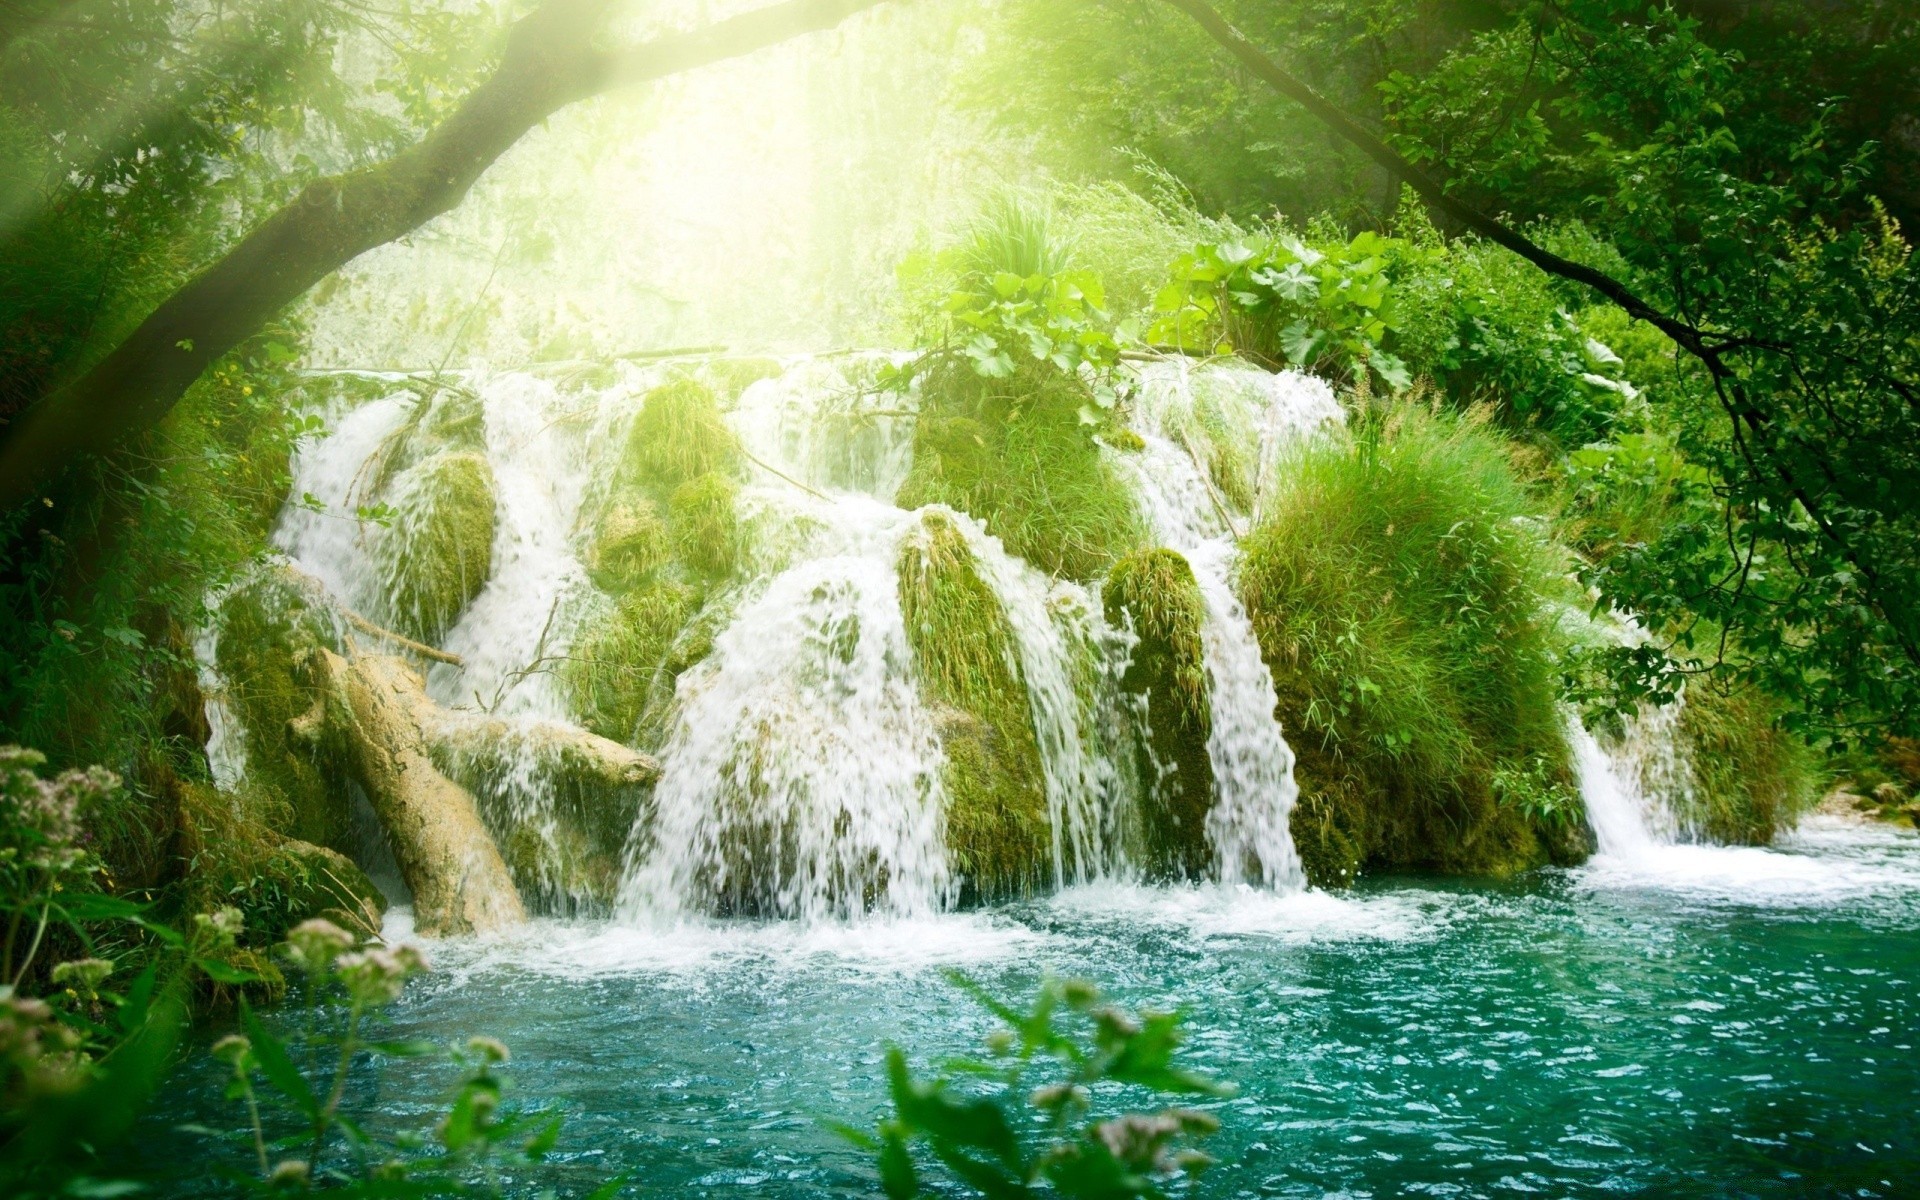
(1396, 583)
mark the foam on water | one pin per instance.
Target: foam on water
(1239, 910)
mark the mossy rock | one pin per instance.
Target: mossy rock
(1400, 595)
(326, 883)
(266, 630)
(679, 436)
(1154, 593)
(1016, 454)
(998, 830)
(730, 377)
(617, 664)
(236, 858)
(630, 544)
(439, 552)
(1751, 778)
(705, 525)
(561, 870)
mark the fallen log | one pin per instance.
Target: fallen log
(375, 711)
(395, 740)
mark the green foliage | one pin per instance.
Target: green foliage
(1721, 186)
(998, 831)
(1400, 588)
(439, 551)
(1027, 1123)
(1279, 301)
(1153, 594)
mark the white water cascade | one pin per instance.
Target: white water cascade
(1630, 789)
(802, 768)
(1187, 418)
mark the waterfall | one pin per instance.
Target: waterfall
(1188, 421)
(802, 777)
(1629, 789)
(802, 766)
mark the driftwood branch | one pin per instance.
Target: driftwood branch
(550, 62)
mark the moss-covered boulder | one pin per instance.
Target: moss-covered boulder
(680, 435)
(998, 831)
(1398, 585)
(629, 544)
(705, 526)
(266, 628)
(1750, 778)
(619, 666)
(1154, 594)
(1016, 454)
(438, 553)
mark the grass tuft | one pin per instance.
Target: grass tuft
(1397, 584)
(1751, 779)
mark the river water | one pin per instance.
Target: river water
(1699, 1021)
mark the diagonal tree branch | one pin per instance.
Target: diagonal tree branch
(550, 62)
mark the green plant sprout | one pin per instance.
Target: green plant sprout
(1033, 1123)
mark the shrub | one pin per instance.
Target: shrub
(1153, 593)
(998, 831)
(1397, 585)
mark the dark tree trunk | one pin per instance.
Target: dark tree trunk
(549, 63)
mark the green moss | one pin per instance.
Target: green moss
(616, 665)
(439, 551)
(964, 653)
(630, 544)
(1751, 779)
(679, 436)
(1015, 453)
(705, 525)
(266, 630)
(236, 856)
(1397, 586)
(1154, 593)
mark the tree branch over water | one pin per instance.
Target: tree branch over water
(550, 62)
(1792, 466)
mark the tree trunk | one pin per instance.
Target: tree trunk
(377, 709)
(549, 63)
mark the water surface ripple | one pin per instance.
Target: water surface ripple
(1733, 1023)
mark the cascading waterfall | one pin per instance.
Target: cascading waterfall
(803, 774)
(802, 768)
(1254, 789)
(1630, 788)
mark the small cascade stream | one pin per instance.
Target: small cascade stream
(1183, 418)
